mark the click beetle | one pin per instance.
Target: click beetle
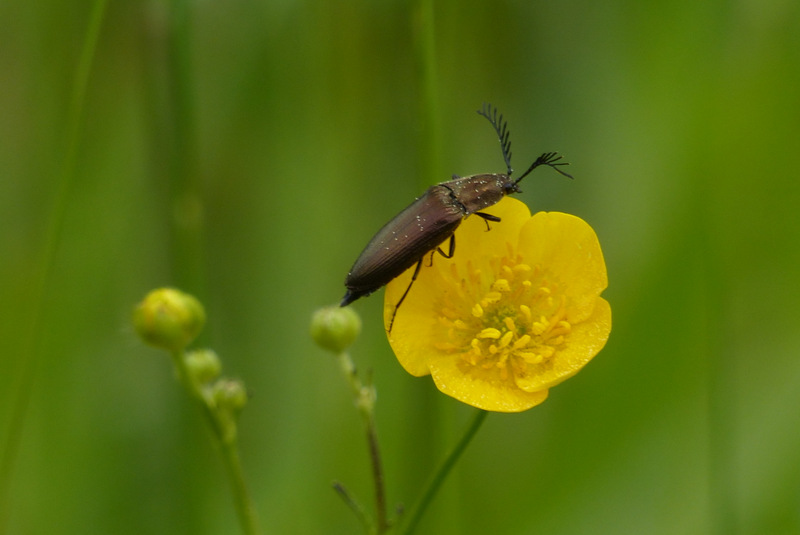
(433, 218)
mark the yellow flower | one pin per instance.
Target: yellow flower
(516, 310)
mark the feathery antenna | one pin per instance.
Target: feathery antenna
(501, 127)
(550, 159)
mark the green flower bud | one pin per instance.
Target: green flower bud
(203, 365)
(169, 319)
(335, 328)
(230, 394)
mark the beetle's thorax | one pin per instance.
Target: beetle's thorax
(476, 192)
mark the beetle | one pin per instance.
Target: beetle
(433, 218)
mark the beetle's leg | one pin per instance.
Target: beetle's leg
(430, 262)
(451, 251)
(397, 306)
(488, 217)
(449, 254)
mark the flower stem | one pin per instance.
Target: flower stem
(425, 52)
(225, 432)
(178, 134)
(355, 506)
(364, 395)
(444, 470)
(377, 474)
(242, 500)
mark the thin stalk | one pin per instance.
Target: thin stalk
(186, 195)
(377, 473)
(355, 506)
(364, 396)
(41, 277)
(245, 508)
(225, 433)
(430, 115)
(443, 472)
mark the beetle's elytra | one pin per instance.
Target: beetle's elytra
(433, 218)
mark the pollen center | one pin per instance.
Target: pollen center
(507, 321)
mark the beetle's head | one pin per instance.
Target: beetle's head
(510, 186)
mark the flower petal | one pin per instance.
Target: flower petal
(476, 390)
(584, 341)
(412, 330)
(477, 242)
(568, 247)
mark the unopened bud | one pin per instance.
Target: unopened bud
(204, 365)
(169, 319)
(230, 394)
(335, 328)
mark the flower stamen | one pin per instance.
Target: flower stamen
(489, 332)
(501, 286)
(506, 339)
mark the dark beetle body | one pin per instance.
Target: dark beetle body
(420, 228)
(433, 218)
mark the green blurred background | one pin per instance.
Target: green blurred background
(246, 151)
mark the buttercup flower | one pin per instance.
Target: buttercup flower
(516, 310)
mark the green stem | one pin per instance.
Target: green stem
(225, 433)
(242, 499)
(186, 195)
(377, 473)
(442, 473)
(40, 280)
(425, 48)
(364, 396)
(355, 506)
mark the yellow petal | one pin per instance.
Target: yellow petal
(584, 341)
(567, 246)
(475, 243)
(481, 388)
